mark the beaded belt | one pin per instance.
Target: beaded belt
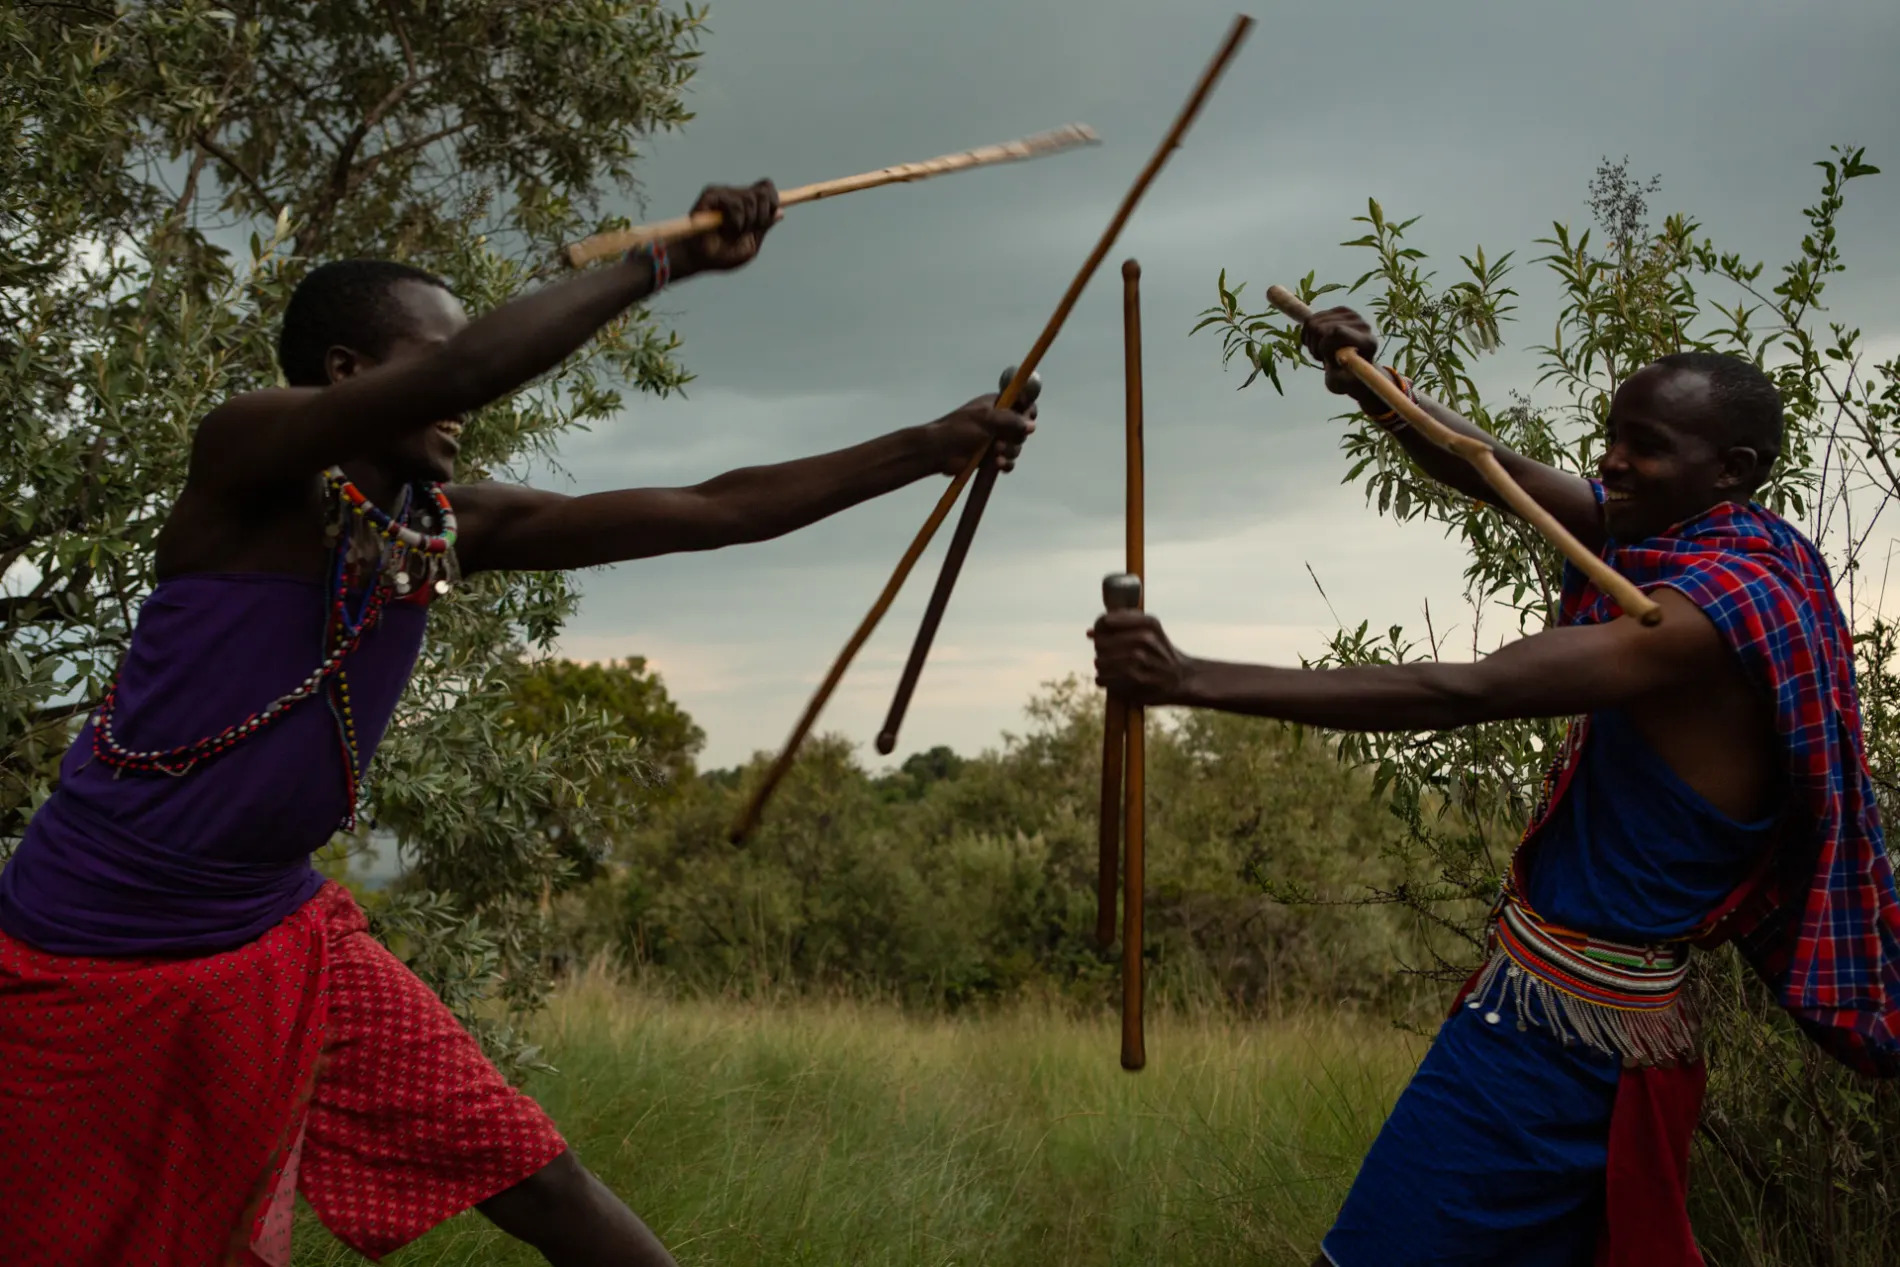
(1618, 998)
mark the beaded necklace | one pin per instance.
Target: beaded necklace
(359, 535)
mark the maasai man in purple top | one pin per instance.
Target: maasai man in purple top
(194, 1027)
(1713, 787)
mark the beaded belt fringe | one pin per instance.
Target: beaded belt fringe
(1620, 999)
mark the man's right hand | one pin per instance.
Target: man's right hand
(746, 215)
(1325, 335)
(957, 436)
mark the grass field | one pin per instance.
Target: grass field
(846, 1134)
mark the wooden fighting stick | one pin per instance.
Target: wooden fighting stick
(1116, 730)
(1124, 758)
(1122, 592)
(979, 497)
(980, 489)
(755, 806)
(1483, 457)
(1109, 824)
(615, 241)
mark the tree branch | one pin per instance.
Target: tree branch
(402, 36)
(370, 164)
(341, 176)
(91, 11)
(53, 714)
(207, 143)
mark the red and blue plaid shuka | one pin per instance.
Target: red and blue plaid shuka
(1821, 924)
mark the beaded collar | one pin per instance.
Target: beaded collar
(405, 558)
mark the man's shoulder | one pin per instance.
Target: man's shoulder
(231, 445)
(1792, 548)
(253, 406)
(1756, 568)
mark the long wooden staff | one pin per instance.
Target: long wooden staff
(1482, 456)
(1119, 591)
(979, 496)
(1134, 805)
(980, 489)
(749, 819)
(614, 241)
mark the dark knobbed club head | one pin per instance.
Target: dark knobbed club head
(1031, 389)
(1121, 591)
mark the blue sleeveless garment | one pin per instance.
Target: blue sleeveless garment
(1495, 1153)
(120, 863)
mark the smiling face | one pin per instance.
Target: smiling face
(1670, 454)
(422, 318)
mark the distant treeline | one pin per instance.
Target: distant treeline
(953, 879)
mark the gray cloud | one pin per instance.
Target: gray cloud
(888, 307)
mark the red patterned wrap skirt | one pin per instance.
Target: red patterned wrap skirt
(165, 1112)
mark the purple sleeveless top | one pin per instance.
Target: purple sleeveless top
(128, 863)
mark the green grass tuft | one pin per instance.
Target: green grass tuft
(846, 1133)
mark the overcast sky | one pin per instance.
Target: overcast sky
(892, 306)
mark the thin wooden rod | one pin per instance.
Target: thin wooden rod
(980, 489)
(1109, 818)
(1134, 882)
(755, 807)
(1482, 456)
(1134, 742)
(615, 241)
(979, 497)
(1132, 409)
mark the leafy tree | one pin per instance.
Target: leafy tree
(556, 695)
(167, 172)
(977, 882)
(1793, 1170)
(921, 769)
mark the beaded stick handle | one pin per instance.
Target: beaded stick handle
(1485, 459)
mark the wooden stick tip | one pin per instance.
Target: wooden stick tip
(1278, 295)
(1131, 270)
(1651, 618)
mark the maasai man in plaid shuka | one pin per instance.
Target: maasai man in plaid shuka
(1822, 926)
(1713, 787)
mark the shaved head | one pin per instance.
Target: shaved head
(1742, 406)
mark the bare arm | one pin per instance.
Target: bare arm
(1568, 497)
(1557, 673)
(514, 528)
(284, 433)
(288, 433)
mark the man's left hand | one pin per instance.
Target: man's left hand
(1135, 661)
